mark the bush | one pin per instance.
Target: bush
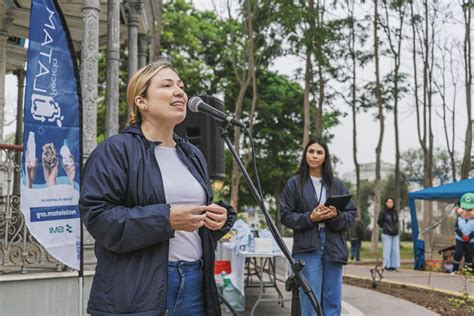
(405, 236)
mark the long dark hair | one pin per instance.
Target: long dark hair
(326, 170)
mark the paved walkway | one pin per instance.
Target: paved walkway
(434, 280)
(356, 302)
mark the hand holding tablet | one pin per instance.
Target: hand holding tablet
(338, 201)
(322, 213)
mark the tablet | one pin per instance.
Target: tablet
(338, 201)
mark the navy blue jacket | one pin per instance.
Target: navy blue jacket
(295, 215)
(123, 206)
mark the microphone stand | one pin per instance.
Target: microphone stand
(296, 267)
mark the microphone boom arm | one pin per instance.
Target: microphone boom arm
(296, 267)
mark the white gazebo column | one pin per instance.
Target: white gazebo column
(89, 74)
(20, 75)
(133, 9)
(5, 23)
(143, 42)
(113, 68)
(89, 91)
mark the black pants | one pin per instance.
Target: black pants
(463, 249)
(355, 248)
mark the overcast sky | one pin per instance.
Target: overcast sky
(368, 128)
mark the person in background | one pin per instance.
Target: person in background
(356, 234)
(147, 201)
(318, 230)
(464, 229)
(388, 221)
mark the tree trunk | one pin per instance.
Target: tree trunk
(426, 97)
(395, 43)
(352, 46)
(319, 14)
(430, 53)
(306, 93)
(277, 195)
(466, 162)
(398, 58)
(442, 92)
(421, 133)
(319, 110)
(378, 149)
(155, 50)
(453, 120)
(397, 146)
(244, 83)
(236, 175)
(421, 118)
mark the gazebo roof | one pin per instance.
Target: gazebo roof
(17, 14)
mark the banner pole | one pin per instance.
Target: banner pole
(76, 62)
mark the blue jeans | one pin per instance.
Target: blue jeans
(325, 279)
(391, 251)
(185, 289)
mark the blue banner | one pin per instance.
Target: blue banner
(51, 144)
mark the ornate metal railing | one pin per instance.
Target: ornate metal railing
(19, 251)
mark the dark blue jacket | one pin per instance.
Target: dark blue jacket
(123, 207)
(295, 215)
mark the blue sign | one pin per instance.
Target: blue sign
(51, 145)
(39, 214)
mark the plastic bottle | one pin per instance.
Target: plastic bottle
(31, 146)
(66, 154)
(219, 281)
(232, 295)
(225, 284)
(251, 244)
(226, 279)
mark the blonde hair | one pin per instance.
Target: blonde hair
(138, 86)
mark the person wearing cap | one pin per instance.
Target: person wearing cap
(464, 228)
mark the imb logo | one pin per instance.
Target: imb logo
(60, 229)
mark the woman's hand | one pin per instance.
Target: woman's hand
(216, 216)
(322, 212)
(187, 218)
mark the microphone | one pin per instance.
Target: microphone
(196, 104)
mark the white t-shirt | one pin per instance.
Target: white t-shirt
(181, 188)
(321, 194)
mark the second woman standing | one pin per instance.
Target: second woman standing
(388, 221)
(318, 229)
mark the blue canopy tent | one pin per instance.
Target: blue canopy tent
(447, 192)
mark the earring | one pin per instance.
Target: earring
(145, 108)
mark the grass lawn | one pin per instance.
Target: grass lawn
(406, 250)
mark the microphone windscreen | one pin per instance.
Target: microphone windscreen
(193, 103)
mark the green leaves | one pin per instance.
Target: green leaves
(196, 41)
